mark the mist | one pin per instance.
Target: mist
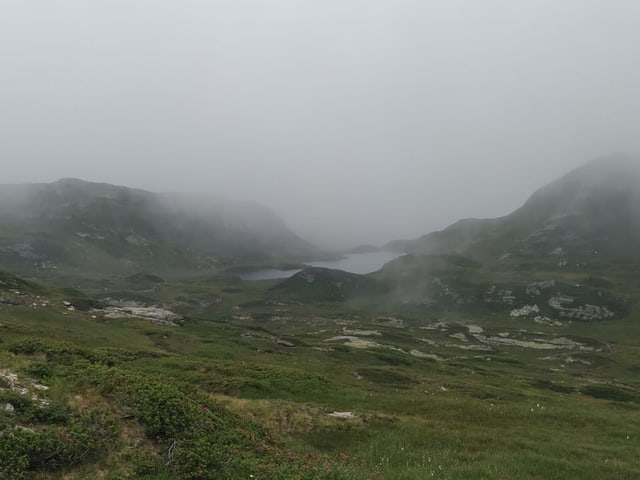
(357, 121)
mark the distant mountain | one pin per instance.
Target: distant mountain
(592, 212)
(72, 227)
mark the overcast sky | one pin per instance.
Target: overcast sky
(358, 121)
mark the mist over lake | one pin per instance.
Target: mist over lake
(360, 263)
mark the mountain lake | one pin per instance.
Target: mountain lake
(360, 263)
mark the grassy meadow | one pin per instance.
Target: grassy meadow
(257, 383)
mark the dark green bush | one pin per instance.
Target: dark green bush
(48, 447)
(40, 370)
(191, 436)
(609, 392)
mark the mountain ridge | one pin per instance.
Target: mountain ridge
(71, 225)
(592, 210)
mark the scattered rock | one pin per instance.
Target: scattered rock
(345, 415)
(156, 315)
(419, 354)
(571, 360)
(495, 295)
(353, 341)
(536, 343)
(460, 336)
(436, 326)
(536, 288)
(25, 429)
(547, 321)
(362, 333)
(524, 311)
(475, 329)
(24, 387)
(563, 304)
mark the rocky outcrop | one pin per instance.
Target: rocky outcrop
(156, 315)
(563, 304)
(524, 311)
(536, 288)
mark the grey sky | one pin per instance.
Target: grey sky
(358, 121)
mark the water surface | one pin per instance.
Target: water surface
(360, 263)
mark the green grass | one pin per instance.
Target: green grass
(221, 388)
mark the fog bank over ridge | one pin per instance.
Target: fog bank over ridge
(356, 121)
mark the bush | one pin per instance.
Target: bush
(50, 447)
(191, 436)
(609, 392)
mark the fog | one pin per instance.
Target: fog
(357, 121)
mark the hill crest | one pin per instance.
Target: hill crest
(75, 227)
(593, 210)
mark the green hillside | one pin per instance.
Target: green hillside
(253, 383)
(73, 229)
(323, 284)
(591, 215)
(490, 357)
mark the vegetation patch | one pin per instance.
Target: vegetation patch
(610, 392)
(387, 376)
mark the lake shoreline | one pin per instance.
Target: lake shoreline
(358, 263)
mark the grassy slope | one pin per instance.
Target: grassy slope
(506, 412)
(72, 232)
